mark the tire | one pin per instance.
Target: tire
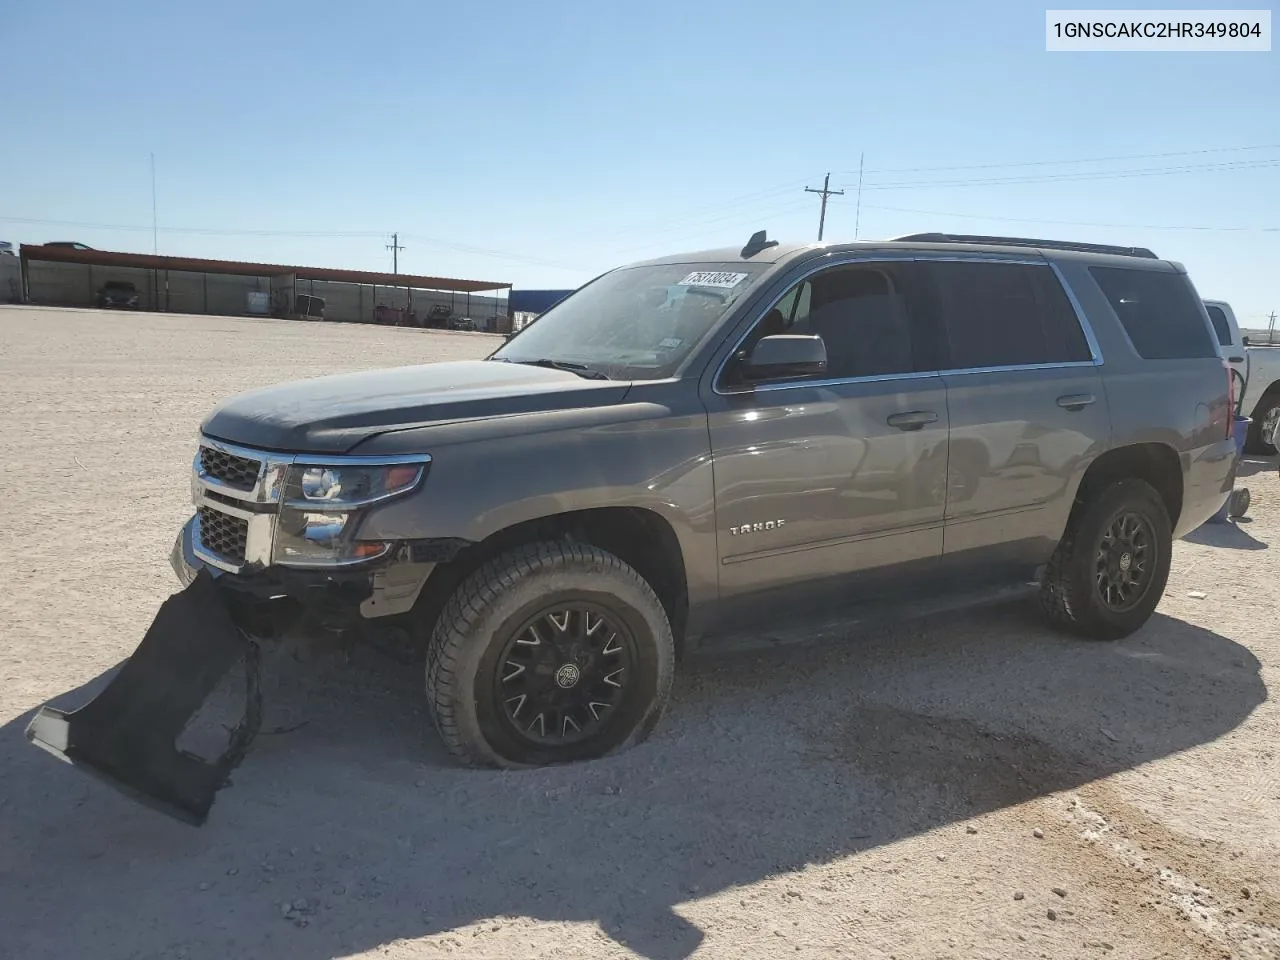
(523, 625)
(1238, 503)
(1071, 593)
(1265, 414)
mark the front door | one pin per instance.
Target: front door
(823, 484)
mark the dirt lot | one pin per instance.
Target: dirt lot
(966, 787)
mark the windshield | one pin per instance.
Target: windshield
(634, 323)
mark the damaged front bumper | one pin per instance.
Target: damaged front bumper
(128, 735)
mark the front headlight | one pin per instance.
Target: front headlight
(324, 504)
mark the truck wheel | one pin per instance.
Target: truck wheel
(1265, 417)
(1110, 569)
(550, 653)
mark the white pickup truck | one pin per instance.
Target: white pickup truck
(1258, 378)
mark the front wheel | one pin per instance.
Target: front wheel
(1109, 572)
(550, 653)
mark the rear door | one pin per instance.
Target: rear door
(1027, 408)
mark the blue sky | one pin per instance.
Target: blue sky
(540, 143)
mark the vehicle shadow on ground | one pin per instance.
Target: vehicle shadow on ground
(1251, 466)
(1230, 535)
(767, 761)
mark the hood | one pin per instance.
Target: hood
(333, 414)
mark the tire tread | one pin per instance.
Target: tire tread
(455, 627)
(1061, 596)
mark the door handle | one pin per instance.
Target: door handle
(1235, 359)
(912, 419)
(1076, 401)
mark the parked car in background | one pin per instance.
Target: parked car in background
(117, 295)
(68, 244)
(6, 249)
(462, 323)
(1257, 373)
(438, 317)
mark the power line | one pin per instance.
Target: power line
(201, 231)
(1045, 163)
(825, 192)
(314, 234)
(667, 242)
(1070, 223)
(495, 254)
(696, 214)
(1230, 166)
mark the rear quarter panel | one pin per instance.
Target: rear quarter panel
(1172, 402)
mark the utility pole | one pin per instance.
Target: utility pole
(826, 192)
(395, 248)
(857, 217)
(155, 244)
(1271, 327)
(155, 229)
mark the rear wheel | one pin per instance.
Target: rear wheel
(1109, 572)
(1262, 431)
(550, 653)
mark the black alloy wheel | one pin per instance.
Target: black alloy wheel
(1125, 562)
(1110, 569)
(563, 673)
(552, 652)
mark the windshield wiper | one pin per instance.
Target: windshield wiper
(581, 369)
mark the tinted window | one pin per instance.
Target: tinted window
(1159, 312)
(1220, 325)
(1006, 314)
(859, 312)
(1063, 336)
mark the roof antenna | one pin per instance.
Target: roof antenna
(759, 241)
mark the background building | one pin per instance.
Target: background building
(72, 275)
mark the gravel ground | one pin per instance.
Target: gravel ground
(969, 786)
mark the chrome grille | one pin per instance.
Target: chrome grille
(239, 473)
(223, 535)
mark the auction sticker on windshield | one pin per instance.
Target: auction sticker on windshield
(726, 281)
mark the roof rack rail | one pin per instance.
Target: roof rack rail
(1028, 242)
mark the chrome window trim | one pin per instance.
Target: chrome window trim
(1017, 367)
(837, 382)
(836, 261)
(1081, 316)
(268, 488)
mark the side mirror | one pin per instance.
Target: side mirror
(785, 355)
(1245, 340)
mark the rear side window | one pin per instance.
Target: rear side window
(1220, 325)
(1159, 312)
(1006, 314)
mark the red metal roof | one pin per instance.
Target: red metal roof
(146, 261)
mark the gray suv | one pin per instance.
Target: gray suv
(743, 440)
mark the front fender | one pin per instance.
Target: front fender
(487, 476)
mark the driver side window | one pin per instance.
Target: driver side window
(859, 311)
